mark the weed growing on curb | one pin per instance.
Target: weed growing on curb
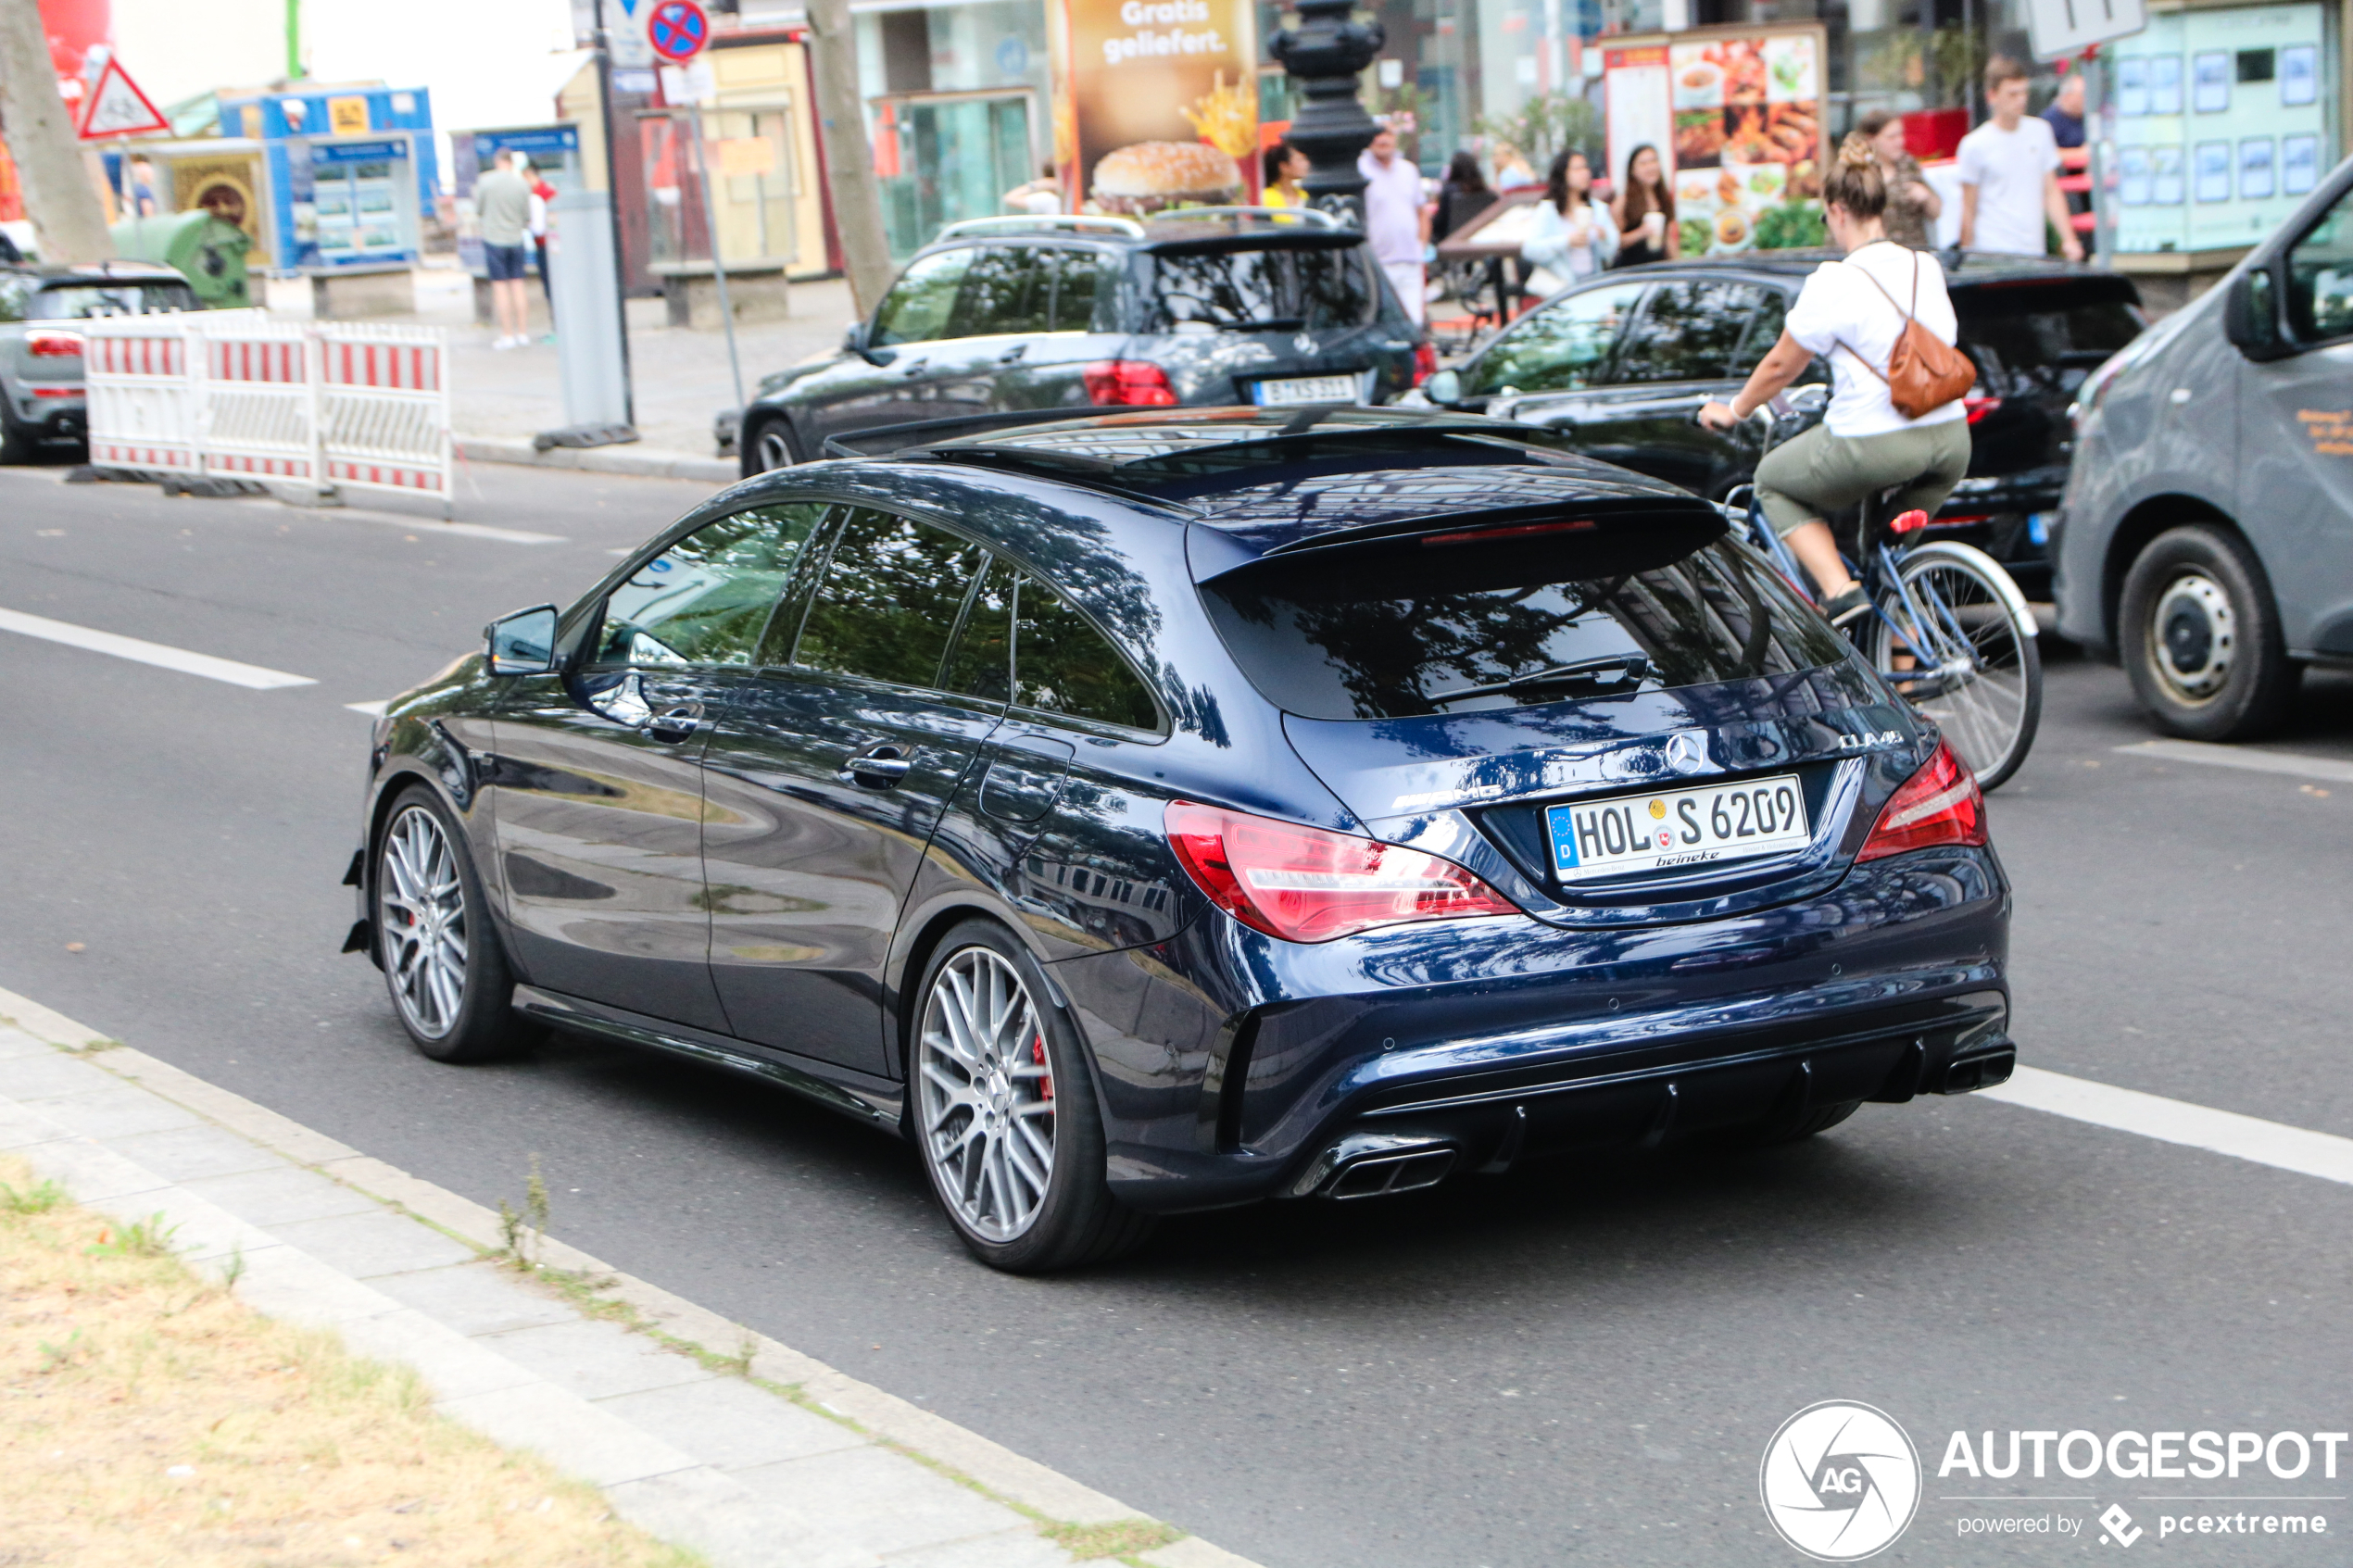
(1120, 1538)
(525, 1233)
(234, 1269)
(39, 1198)
(92, 1047)
(149, 1237)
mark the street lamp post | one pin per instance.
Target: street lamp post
(1325, 54)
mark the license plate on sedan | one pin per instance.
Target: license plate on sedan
(1677, 827)
(1307, 389)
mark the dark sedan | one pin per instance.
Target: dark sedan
(1204, 305)
(1619, 364)
(1164, 812)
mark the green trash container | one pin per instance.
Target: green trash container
(206, 250)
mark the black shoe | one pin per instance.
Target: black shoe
(1848, 606)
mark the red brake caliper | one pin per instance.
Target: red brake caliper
(1037, 1055)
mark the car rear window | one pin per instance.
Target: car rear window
(77, 302)
(1276, 288)
(1512, 616)
(2050, 334)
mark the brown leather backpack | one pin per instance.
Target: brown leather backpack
(1924, 372)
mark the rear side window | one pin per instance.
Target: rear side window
(1006, 289)
(1688, 331)
(707, 599)
(1273, 289)
(78, 303)
(1063, 665)
(1082, 287)
(889, 599)
(982, 662)
(2029, 337)
(1455, 625)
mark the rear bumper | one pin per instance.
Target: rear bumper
(1503, 1040)
(52, 414)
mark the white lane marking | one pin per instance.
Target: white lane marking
(211, 669)
(2294, 763)
(2300, 1150)
(372, 710)
(425, 526)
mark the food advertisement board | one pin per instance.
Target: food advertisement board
(1736, 114)
(2221, 125)
(1155, 102)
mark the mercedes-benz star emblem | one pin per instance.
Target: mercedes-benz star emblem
(1687, 751)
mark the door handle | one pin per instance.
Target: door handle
(1016, 352)
(914, 370)
(883, 768)
(675, 724)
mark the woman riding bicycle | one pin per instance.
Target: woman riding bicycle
(1850, 310)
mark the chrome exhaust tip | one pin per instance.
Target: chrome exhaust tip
(1376, 1165)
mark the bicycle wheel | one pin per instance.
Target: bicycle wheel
(1970, 663)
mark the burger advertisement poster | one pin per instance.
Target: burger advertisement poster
(1155, 102)
(1736, 114)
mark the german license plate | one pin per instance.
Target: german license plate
(1677, 827)
(1307, 389)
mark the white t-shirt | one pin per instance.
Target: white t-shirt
(1838, 305)
(1392, 207)
(2009, 169)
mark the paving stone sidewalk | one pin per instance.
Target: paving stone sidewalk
(699, 1431)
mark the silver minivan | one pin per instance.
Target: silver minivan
(2206, 535)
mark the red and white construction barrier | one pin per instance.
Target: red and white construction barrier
(320, 405)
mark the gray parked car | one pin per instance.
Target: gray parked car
(1205, 305)
(42, 401)
(2206, 536)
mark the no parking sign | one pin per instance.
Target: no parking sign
(677, 29)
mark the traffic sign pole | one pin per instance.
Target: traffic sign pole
(612, 190)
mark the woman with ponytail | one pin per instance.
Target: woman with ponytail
(1854, 312)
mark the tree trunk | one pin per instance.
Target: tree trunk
(65, 213)
(849, 161)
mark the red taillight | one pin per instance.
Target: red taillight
(1941, 804)
(1977, 408)
(1424, 362)
(52, 345)
(1128, 382)
(1306, 885)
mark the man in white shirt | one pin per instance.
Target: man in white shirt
(1396, 219)
(2010, 174)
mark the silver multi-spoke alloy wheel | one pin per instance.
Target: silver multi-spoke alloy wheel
(421, 903)
(773, 447)
(987, 1095)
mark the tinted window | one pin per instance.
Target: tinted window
(1421, 627)
(1561, 347)
(2030, 336)
(1764, 331)
(1065, 666)
(77, 303)
(918, 305)
(2320, 276)
(1081, 282)
(982, 664)
(1688, 330)
(706, 599)
(889, 599)
(1006, 289)
(1273, 289)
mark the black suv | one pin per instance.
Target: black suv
(1205, 305)
(1621, 363)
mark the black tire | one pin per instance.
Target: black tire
(768, 444)
(1076, 1221)
(479, 1024)
(17, 445)
(1991, 718)
(2200, 637)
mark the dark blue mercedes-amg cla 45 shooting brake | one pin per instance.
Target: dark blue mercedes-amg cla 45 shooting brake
(1174, 809)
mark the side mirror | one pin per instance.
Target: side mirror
(2251, 315)
(855, 341)
(523, 643)
(1443, 388)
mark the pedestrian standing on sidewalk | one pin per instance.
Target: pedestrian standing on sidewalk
(1913, 205)
(542, 193)
(1396, 220)
(1644, 212)
(502, 203)
(2010, 174)
(2065, 117)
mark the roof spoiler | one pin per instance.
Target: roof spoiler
(881, 440)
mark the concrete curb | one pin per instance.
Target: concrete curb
(641, 462)
(329, 1236)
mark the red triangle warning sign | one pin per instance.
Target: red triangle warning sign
(118, 108)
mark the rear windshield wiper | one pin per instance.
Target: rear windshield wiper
(1631, 668)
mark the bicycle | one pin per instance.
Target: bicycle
(1949, 628)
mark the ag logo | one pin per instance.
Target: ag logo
(1841, 1481)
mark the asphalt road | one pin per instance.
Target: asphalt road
(1575, 1363)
